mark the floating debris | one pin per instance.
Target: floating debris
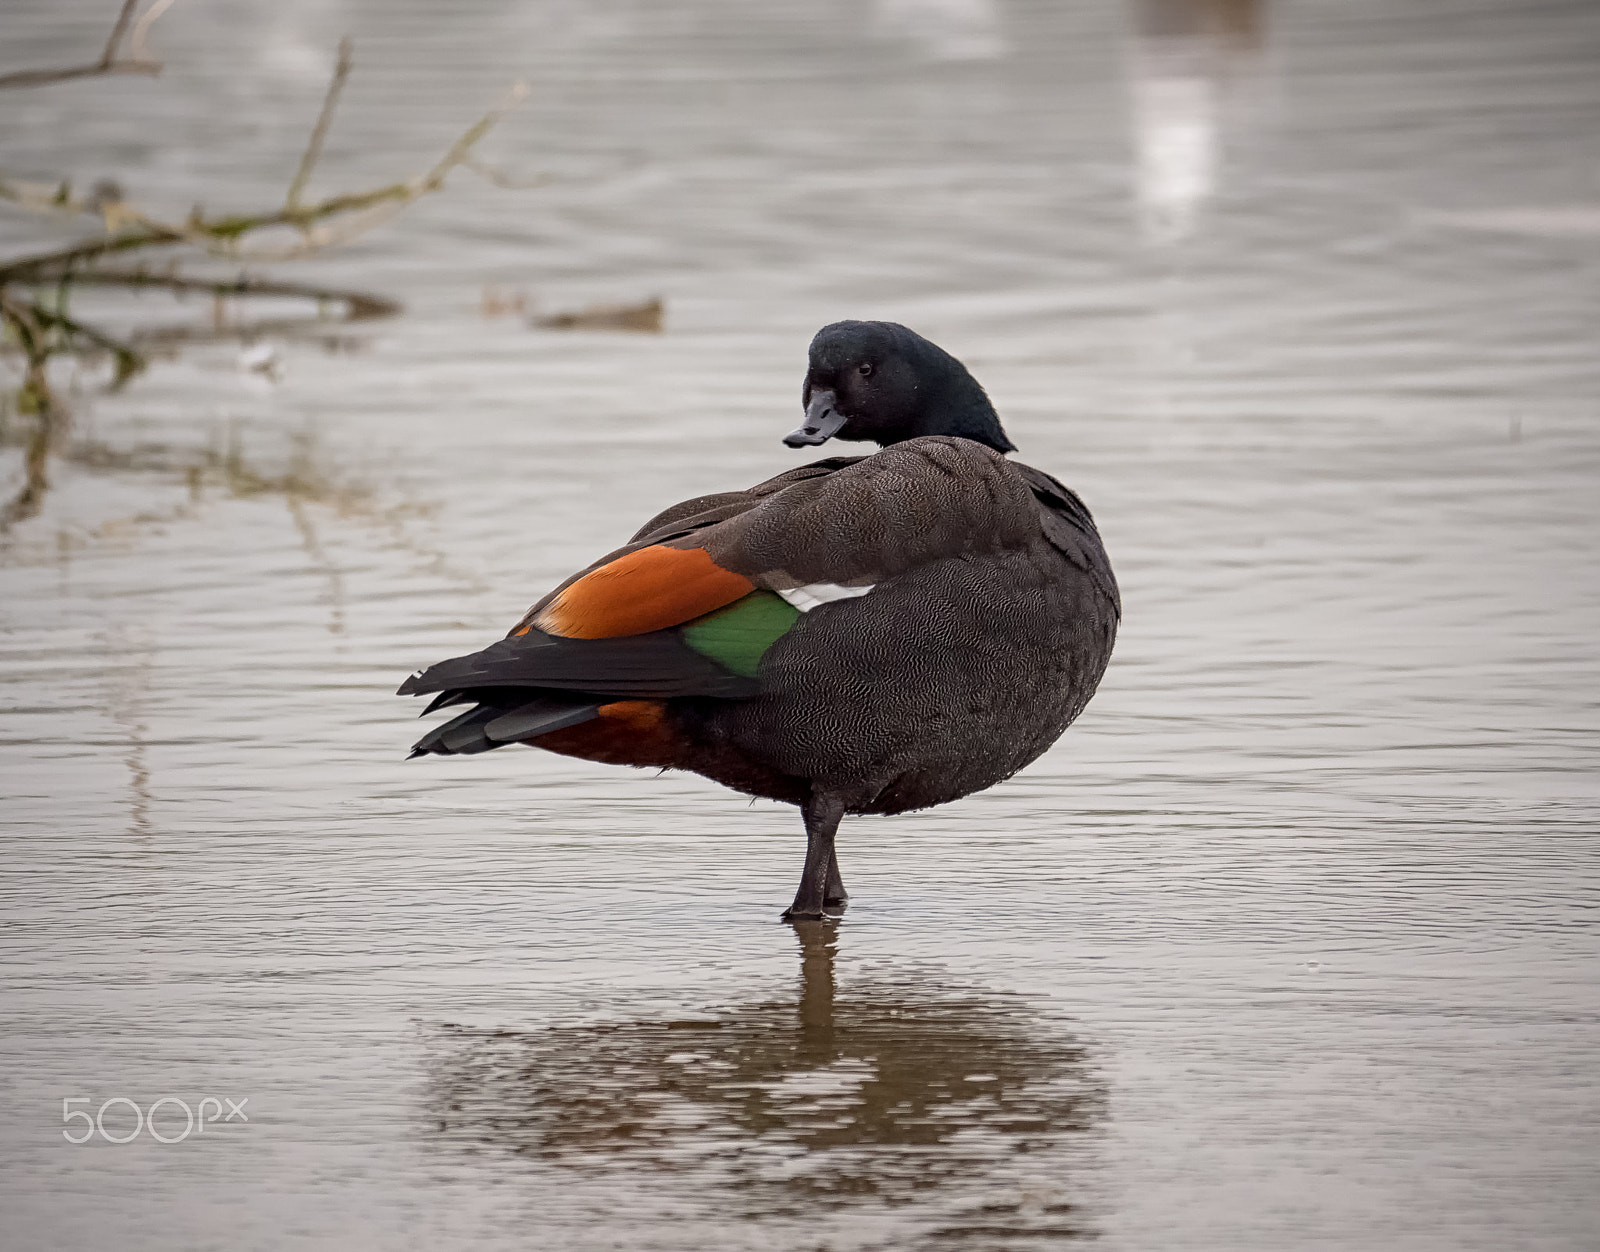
(645, 318)
(493, 304)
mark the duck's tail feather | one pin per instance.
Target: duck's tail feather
(502, 716)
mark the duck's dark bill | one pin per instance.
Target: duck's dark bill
(822, 422)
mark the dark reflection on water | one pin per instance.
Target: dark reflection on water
(881, 1093)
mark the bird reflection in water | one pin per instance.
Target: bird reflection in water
(894, 1091)
(1188, 58)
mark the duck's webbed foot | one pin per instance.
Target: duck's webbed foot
(821, 886)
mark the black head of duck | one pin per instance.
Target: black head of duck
(883, 383)
(868, 634)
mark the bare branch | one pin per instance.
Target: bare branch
(219, 236)
(49, 264)
(138, 63)
(369, 207)
(319, 132)
(360, 306)
(129, 357)
(37, 78)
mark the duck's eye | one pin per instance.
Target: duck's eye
(865, 369)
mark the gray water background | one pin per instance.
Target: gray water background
(1289, 943)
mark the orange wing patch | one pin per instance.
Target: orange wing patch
(643, 716)
(650, 589)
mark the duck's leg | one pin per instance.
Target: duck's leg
(834, 896)
(822, 813)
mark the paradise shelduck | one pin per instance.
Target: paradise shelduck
(858, 635)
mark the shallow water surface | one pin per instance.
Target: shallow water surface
(1289, 943)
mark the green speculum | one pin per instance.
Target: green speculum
(736, 637)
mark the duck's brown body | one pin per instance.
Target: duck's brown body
(951, 675)
(957, 611)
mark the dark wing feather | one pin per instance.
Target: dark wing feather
(446, 698)
(1070, 529)
(691, 515)
(461, 735)
(656, 666)
(540, 717)
(916, 502)
(494, 723)
(682, 519)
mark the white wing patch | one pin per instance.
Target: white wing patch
(807, 598)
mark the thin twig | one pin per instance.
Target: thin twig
(136, 46)
(117, 31)
(462, 148)
(319, 132)
(109, 63)
(499, 178)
